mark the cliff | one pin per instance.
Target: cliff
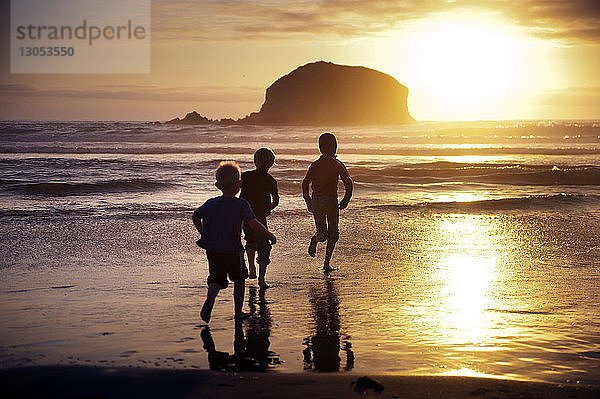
(323, 93)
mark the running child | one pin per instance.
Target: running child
(259, 188)
(219, 221)
(323, 175)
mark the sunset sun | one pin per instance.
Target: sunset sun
(470, 61)
(467, 68)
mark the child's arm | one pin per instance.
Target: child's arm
(259, 228)
(275, 200)
(197, 223)
(348, 186)
(305, 190)
(275, 195)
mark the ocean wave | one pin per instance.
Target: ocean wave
(128, 211)
(60, 189)
(99, 164)
(504, 174)
(535, 202)
(208, 148)
(46, 213)
(555, 176)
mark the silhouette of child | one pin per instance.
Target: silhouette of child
(219, 221)
(259, 188)
(323, 175)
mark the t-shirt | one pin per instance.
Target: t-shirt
(257, 188)
(222, 219)
(324, 174)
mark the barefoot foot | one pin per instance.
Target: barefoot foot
(312, 247)
(207, 310)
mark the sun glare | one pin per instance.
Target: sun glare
(469, 61)
(464, 68)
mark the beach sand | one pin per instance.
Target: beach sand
(94, 382)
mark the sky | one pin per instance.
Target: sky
(461, 60)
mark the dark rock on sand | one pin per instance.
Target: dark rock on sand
(364, 383)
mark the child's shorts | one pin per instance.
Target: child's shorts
(258, 243)
(221, 265)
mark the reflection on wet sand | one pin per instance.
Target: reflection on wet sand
(251, 351)
(323, 348)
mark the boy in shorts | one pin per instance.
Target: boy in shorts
(219, 221)
(259, 188)
(323, 175)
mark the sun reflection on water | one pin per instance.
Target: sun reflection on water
(467, 267)
(467, 372)
(468, 283)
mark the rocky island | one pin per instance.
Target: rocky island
(324, 93)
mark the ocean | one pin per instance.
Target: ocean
(469, 248)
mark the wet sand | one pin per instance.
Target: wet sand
(414, 295)
(94, 382)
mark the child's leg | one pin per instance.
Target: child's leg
(328, 254)
(262, 270)
(213, 291)
(252, 268)
(239, 288)
(333, 234)
(217, 279)
(319, 215)
(250, 250)
(263, 260)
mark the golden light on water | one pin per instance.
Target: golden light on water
(458, 196)
(468, 285)
(467, 372)
(466, 274)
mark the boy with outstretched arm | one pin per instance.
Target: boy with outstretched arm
(323, 175)
(259, 188)
(219, 221)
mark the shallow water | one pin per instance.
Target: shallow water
(480, 264)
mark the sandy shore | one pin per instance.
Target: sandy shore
(109, 383)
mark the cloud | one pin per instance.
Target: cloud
(571, 97)
(138, 93)
(569, 21)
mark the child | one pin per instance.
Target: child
(258, 186)
(324, 175)
(219, 221)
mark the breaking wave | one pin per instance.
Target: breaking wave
(536, 202)
(504, 174)
(169, 148)
(70, 188)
